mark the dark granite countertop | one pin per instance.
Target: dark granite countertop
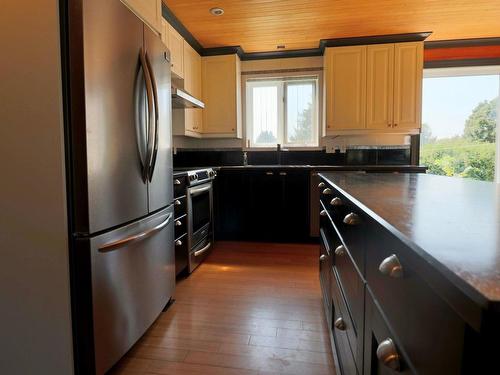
(453, 223)
(395, 168)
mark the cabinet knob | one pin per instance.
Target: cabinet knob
(352, 219)
(340, 324)
(321, 185)
(388, 355)
(269, 173)
(336, 201)
(340, 250)
(323, 213)
(328, 191)
(178, 243)
(178, 223)
(395, 125)
(177, 182)
(322, 257)
(282, 173)
(177, 202)
(388, 125)
(391, 266)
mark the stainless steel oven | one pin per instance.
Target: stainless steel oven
(200, 215)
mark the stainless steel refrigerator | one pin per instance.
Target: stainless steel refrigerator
(118, 116)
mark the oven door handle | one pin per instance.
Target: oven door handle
(198, 190)
(201, 251)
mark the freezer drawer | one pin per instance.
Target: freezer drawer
(133, 278)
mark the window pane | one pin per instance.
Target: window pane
(300, 113)
(459, 116)
(265, 115)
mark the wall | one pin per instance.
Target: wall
(35, 320)
(328, 142)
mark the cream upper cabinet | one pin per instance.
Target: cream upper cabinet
(408, 72)
(164, 31)
(192, 84)
(149, 11)
(345, 80)
(374, 88)
(221, 88)
(380, 86)
(176, 46)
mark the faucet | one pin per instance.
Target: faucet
(245, 158)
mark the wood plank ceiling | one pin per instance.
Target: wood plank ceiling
(261, 25)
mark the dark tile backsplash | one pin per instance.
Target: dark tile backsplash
(358, 156)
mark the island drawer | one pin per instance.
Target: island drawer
(389, 361)
(430, 331)
(349, 221)
(325, 274)
(344, 335)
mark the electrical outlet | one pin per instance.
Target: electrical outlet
(330, 148)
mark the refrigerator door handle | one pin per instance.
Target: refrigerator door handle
(154, 150)
(110, 246)
(150, 122)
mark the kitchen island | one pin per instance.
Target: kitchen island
(410, 271)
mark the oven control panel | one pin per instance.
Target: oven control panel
(200, 176)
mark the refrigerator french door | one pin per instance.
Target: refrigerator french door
(118, 121)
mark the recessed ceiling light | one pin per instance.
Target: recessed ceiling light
(217, 11)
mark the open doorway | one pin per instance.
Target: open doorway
(460, 122)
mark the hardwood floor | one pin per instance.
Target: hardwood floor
(249, 309)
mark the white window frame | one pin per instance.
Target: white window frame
(283, 80)
(474, 71)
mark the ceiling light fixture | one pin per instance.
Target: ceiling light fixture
(217, 11)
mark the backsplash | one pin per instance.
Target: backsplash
(353, 156)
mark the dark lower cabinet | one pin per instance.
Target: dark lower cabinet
(262, 205)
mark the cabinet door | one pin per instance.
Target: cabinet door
(164, 32)
(176, 46)
(345, 80)
(380, 86)
(264, 206)
(221, 95)
(148, 10)
(294, 210)
(192, 84)
(232, 213)
(408, 71)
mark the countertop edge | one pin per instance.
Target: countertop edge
(460, 284)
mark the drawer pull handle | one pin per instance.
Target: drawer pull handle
(177, 182)
(340, 324)
(388, 355)
(328, 191)
(323, 213)
(322, 257)
(178, 243)
(391, 266)
(336, 202)
(177, 202)
(352, 219)
(340, 250)
(321, 185)
(178, 223)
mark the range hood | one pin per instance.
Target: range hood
(181, 99)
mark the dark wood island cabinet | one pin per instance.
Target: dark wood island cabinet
(410, 273)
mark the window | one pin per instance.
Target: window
(283, 111)
(460, 122)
